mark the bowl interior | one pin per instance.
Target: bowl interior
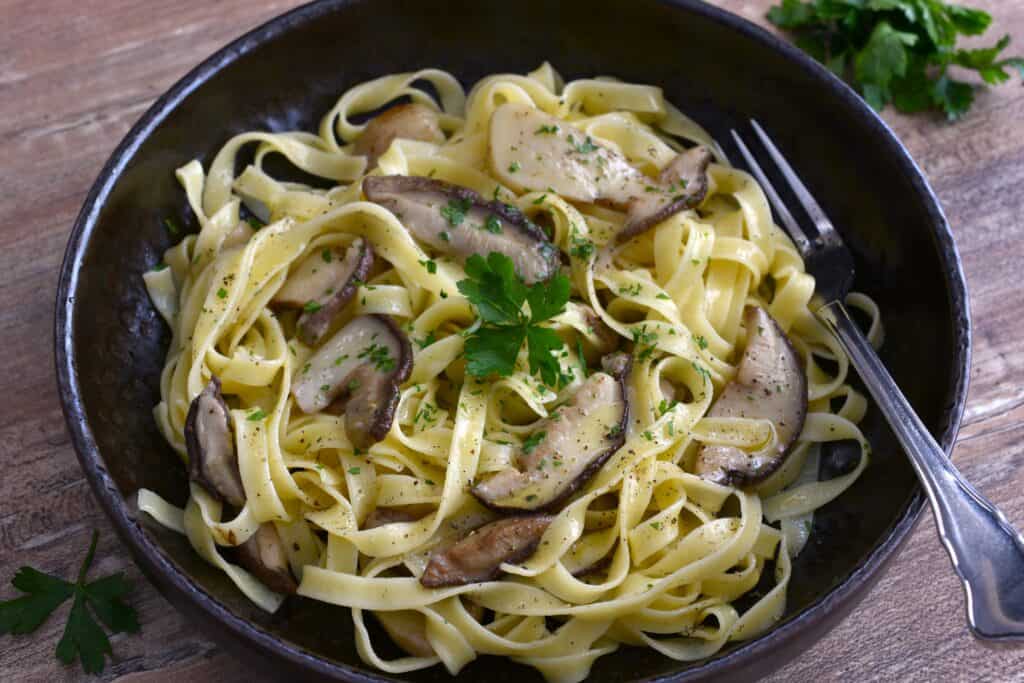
(289, 74)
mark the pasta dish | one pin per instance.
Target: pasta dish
(527, 371)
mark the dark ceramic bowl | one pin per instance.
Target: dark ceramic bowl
(717, 67)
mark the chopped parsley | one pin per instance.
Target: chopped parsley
(585, 147)
(326, 255)
(222, 293)
(256, 415)
(172, 226)
(492, 224)
(354, 470)
(426, 341)
(546, 130)
(533, 441)
(380, 356)
(431, 266)
(311, 307)
(455, 211)
(513, 167)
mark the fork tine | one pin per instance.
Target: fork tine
(814, 211)
(792, 227)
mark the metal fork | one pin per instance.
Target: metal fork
(987, 552)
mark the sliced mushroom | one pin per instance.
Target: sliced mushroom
(212, 462)
(456, 220)
(530, 150)
(681, 185)
(574, 443)
(265, 557)
(604, 338)
(770, 384)
(323, 284)
(361, 366)
(382, 515)
(411, 121)
(479, 556)
(214, 466)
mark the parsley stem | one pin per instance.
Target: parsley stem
(88, 556)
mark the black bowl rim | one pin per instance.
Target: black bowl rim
(161, 568)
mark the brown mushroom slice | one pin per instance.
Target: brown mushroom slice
(574, 443)
(411, 121)
(456, 220)
(323, 284)
(362, 366)
(212, 462)
(479, 555)
(531, 150)
(604, 339)
(384, 515)
(681, 185)
(265, 557)
(770, 384)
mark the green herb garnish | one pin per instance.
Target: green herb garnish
(493, 225)
(585, 147)
(311, 307)
(83, 637)
(254, 222)
(380, 356)
(172, 226)
(533, 441)
(498, 293)
(256, 415)
(455, 211)
(898, 51)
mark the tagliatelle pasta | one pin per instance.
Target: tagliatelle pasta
(646, 552)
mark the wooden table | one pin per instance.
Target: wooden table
(74, 76)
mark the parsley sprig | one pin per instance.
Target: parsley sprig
(898, 51)
(83, 637)
(498, 293)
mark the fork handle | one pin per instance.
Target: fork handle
(987, 552)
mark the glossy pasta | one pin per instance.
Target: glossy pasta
(679, 551)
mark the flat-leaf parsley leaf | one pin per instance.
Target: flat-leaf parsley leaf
(83, 637)
(898, 51)
(498, 293)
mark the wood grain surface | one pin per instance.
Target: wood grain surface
(75, 75)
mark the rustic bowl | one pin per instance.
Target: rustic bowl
(716, 66)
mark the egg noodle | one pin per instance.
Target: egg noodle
(679, 550)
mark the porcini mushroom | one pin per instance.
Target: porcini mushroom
(358, 370)
(531, 150)
(213, 465)
(567, 448)
(770, 384)
(412, 121)
(322, 285)
(456, 220)
(479, 555)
